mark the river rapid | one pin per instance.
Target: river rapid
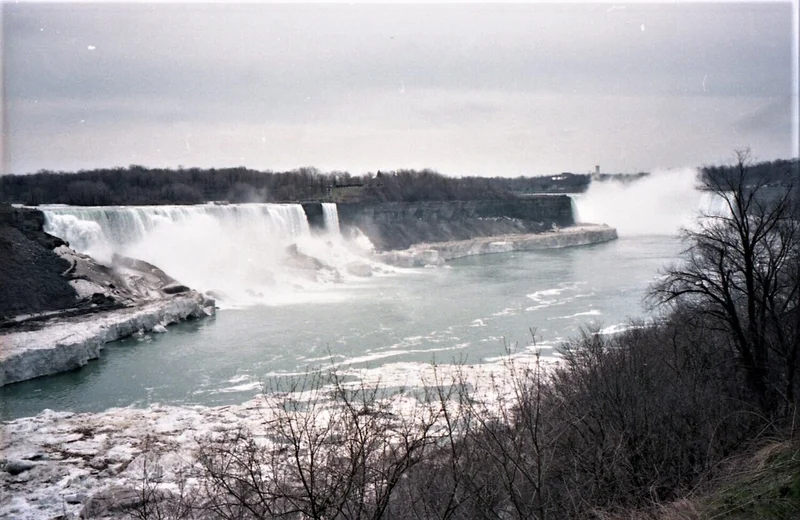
(472, 310)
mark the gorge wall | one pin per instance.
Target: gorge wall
(399, 225)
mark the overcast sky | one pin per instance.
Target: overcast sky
(479, 89)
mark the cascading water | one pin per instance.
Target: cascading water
(245, 253)
(331, 217)
(102, 230)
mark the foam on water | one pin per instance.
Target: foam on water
(592, 312)
(508, 311)
(538, 295)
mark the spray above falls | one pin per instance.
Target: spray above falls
(243, 253)
(658, 204)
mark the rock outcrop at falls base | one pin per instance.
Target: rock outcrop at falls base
(31, 278)
(58, 307)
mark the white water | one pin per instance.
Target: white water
(244, 253)
(331, 216)
(659, 204)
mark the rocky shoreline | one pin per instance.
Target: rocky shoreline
(67, 344)
(421, 255)
(400, 225)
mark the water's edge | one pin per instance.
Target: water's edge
(438, 253)
(68, 344)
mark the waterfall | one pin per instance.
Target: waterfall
(115, 228)
(331, 217)
(659, 204)
(246, 253)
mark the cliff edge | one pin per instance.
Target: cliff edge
(400, 225)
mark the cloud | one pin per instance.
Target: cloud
(770, 117)
(503, 78)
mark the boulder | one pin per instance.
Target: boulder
(74, 498)
(116, 499)
(175, 288)
(301, 260)
(15, 467)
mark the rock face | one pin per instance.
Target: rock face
(399, 225)
(314, 214)
(30, 272)
(438, 253)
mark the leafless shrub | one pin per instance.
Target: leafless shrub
(742, 274)
(334, 451)
(153, 501)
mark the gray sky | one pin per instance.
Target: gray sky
(479, 89)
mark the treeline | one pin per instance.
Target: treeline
(779, 172)
(137, 185)
(414, 186)
(562, 183)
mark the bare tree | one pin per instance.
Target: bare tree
(741, 269)
(333, 451)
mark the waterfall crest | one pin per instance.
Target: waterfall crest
(244, 253)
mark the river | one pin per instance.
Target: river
(471, 310)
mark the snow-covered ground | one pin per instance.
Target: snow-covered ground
(56, 463)
(437, 253)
